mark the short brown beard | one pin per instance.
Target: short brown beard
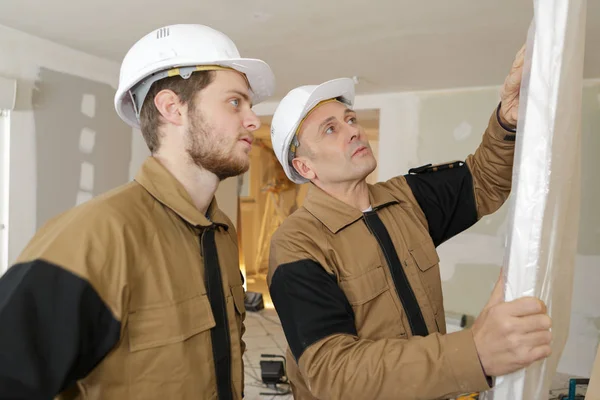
(208, 151)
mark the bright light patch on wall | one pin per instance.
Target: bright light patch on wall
(88, 105)
(86, 180)
(82, 197)
(87, 140)
(462, 131)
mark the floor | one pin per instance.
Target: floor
(263, 336)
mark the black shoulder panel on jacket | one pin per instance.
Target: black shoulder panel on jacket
(446, 195)
(55, 330)
(310, 305)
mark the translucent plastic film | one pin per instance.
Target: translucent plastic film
(544, 214)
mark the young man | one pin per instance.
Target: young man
(137, 293)
(354, 273)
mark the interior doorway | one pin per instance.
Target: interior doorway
(267, 197)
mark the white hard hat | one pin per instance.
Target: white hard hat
(292, 110)
(159, 54)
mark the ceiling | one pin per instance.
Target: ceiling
(391, 45)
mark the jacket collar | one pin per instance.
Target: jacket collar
(335, 214)
(165, 188)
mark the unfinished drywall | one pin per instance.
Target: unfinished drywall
(139, 152)
(82, 147)
(23, 58)
(450, 127)
(459, 295)
(580, 350)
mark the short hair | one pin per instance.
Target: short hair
(185, 89)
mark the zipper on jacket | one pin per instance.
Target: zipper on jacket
(220, 335)
(403, 288)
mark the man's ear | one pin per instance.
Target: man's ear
(303, 167)
(170, 107)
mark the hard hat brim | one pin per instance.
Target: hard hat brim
(337, 88)
(259, 75)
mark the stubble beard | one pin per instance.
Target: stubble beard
(208, 150)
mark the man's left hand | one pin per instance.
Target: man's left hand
(509, 110)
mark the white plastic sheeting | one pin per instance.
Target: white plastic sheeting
(544, 216)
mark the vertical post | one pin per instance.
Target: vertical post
(544, 218)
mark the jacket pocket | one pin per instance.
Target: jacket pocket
(425, 256)
(170, 351)
(373, 305)
(427, 260)
(239, 309)
(163, 325)
(363, 288)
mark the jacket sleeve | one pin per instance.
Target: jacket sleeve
(491, 167)
(319, 326)
(56, 324)
(454, 196)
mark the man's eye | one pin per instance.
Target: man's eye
(329, 130)
(235, 102)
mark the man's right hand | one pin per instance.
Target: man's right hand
(512, 335)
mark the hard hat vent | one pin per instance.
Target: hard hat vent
(162, 33)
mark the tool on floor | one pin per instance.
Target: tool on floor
(254, 301)
(573, 383)
(273, 373)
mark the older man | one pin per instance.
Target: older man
(354, 273)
